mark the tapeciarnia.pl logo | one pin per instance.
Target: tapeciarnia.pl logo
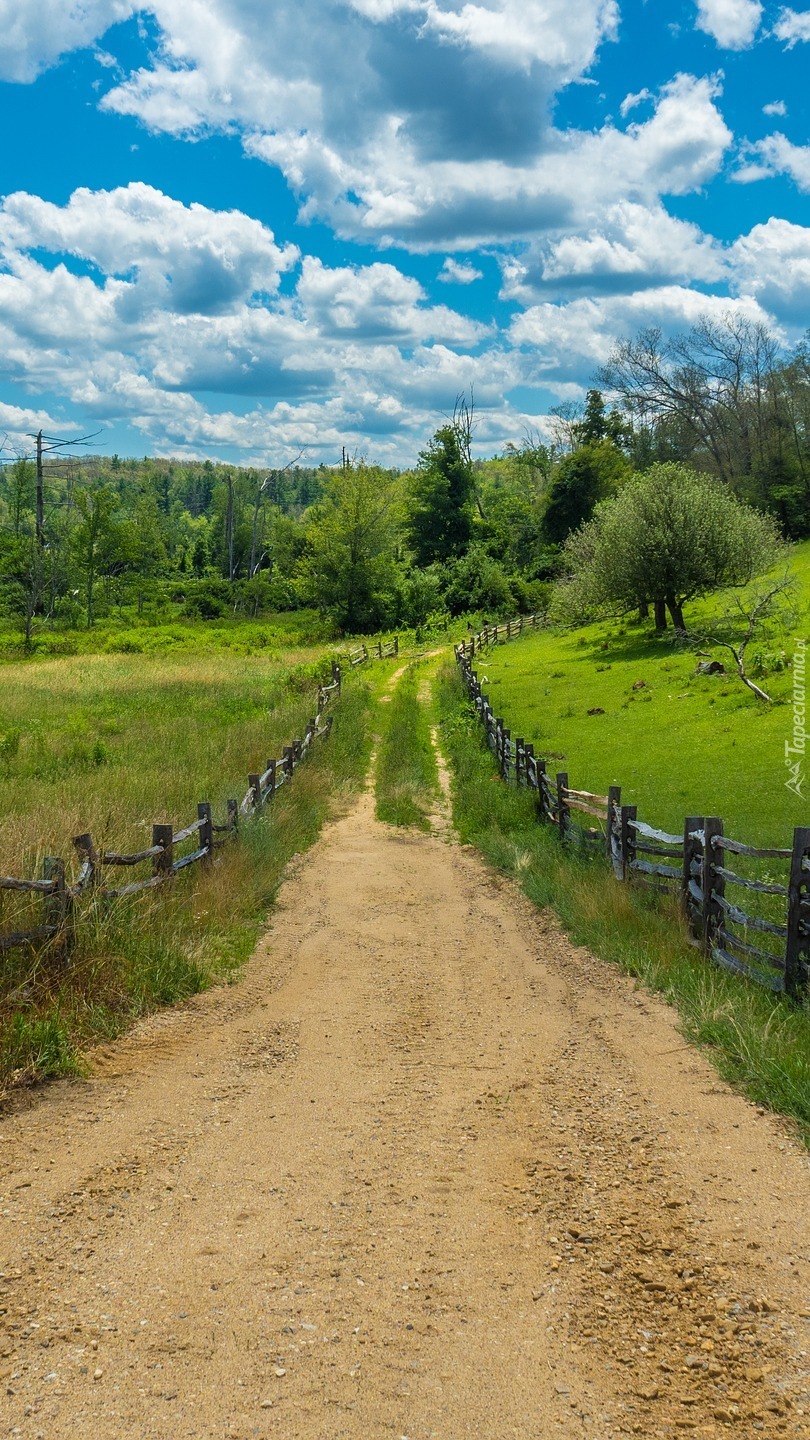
(796, 747)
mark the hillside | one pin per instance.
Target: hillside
(678, 743)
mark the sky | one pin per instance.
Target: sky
(244, 229)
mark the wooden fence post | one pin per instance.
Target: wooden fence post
(562, 806)
(692, 851)
(162, 864)
(379, 649)
(519, 760)
(540, 775)
(271, 783)
(88, 855)
(612, 849)
(57, 905)
(627, 839)
(287, 760)
(255, 783)
(233, 816)
(206, 831)
(337, 678)
(505, 750)
(797, 945)
(531, 774)
(712, 883)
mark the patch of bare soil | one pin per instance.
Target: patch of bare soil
(427, 1171)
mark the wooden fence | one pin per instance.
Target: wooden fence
(167, 855)
(383, 650)
(763, 932)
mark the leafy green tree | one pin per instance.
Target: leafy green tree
(598, 423)
(667, 537)
(348, 567)
(440, 504)
(100, 542)
(477, 582)
(20, 488)
(581, 480)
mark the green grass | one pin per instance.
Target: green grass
(174, 732)
(759, 1042)
(407, 779)
(166, 630)
(678, 744)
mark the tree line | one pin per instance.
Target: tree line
(702, 441)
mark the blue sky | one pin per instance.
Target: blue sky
(240, 228)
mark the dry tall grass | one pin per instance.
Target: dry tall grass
(113, 744)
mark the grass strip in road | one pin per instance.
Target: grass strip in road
(163, 946)
(759, 1042)
(407, 779)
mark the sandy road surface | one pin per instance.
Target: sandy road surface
(427, 1171)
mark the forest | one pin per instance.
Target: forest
(84, 536)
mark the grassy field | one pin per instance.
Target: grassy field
(111, 744)
(758, 1041)
(678, 743)
(164, 633)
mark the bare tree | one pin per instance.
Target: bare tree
(271, 476)
(713, 383)
(754, 610)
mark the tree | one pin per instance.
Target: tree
(712, 382)
(755, 611)
(440, 505)
(667, 537)
(348, 567)
(581, 480)
(96, 539)
(20, 482)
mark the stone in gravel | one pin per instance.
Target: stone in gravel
(279, 1371)
(97, 1374)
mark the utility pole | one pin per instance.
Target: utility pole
(45, 444)
(40, 495)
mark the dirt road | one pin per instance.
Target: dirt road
(427, 1171)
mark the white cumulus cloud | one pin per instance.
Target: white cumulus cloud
(792, 26)
(33, 36)
(631, 248)
(732, 23)
(458, 272)
(184, 257)
(776, 155)
(772, 263)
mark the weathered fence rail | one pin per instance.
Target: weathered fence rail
(383, 650)
(744, 918)
(204, 835)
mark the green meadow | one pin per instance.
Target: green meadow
(112, 743)
(677, 742)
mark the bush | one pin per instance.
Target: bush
(207, 599)
(477, 582)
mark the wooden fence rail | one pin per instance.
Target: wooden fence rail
(771, 947)
(383, 650)
(59, 898)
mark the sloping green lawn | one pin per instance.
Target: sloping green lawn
(678, 743)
